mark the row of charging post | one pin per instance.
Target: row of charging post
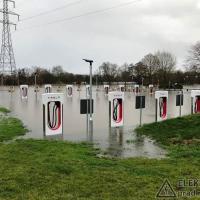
(122, 89)
(69, 88)
(162, 103)
(53, 107)
(116, 105)
(47, 88)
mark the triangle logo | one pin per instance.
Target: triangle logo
(166, 191)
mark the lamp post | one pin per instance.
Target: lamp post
(90, 120)
(35, 80)
(142, 84)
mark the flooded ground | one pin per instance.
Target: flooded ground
(121, 142)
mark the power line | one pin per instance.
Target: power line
(86, 14)
(53, 10)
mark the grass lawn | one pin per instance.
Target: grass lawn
(9, 127)
(4, 110)
(40, 169)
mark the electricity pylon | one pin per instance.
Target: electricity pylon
(7, 58)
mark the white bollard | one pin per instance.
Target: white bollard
(52, 114)
(161, 105)
(116, 109)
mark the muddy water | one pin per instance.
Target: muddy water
(121, 142)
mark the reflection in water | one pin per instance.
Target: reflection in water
(55, 137)
(76, 129)
(90, 131)
(115, 142)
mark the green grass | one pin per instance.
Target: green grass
(180, 136)
(185, 130)
(10, 127)
(4, 110)
(33, 169)
(41, 170)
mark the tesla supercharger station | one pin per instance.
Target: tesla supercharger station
(87, 91)
(69, 90)
(195, 94)
(52, 114)
(151, 89)
(24, 91)
(116, 109)
(137, 89)
(48, 88)
(106, 88)
(161, 105)
(122, 88)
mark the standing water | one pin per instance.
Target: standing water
(120, 142)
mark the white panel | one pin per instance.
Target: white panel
(53, 105)
(116, 100)
(162, 105)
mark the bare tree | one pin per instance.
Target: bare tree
(139, 72)
(57, 70)
(166, 67)
(108, 71)
(167, 61)
(193, 59)
(152, 63)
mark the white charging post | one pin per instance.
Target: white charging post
(106, 89)
(122, 88)
(161, 105)
(24, 91)
(116, 109)
(151, 89)
(52, 113)
(69, 90)
(48, 88)
(137, 89)
(195, 95)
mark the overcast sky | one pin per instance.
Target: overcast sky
(125, 34)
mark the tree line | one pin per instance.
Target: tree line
(154, 68)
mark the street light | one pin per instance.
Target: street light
(35, 79)
(90, 62)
